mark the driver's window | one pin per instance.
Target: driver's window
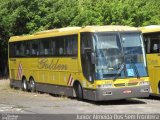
(87, 66)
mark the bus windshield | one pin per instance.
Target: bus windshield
(119, 53)
(134, 54)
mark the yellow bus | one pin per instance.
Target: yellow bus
(94, 62)
(151, 36)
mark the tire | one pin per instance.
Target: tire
(32, 85)
(79, 92)
(24, 85)
(11, 86)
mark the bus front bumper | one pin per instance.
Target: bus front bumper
(116, 93)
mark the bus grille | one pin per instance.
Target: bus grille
(125, 84)
(132, 84)
(119, 85)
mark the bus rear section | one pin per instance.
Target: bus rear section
(151, 36)
(96, 62)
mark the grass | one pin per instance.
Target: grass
(4, 85)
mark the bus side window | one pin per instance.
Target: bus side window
(87, 66)
(12, 49)
(154, 46)
(27, 48)
(147, 44)
(41, 48)
(33, 51)
(71, 45)
(34, 48)
(46, 51)
(27, 52)
(60, 46)
(46, 46)
(22, 49)
(17, 52)
(68, 46)
(75, 45)
(60, 51)
(52, 47)
(17, 49)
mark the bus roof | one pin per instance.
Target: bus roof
(72, 30)
(150, 28)
(109, 28)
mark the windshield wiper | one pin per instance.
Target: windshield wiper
(135, 67)
(119, 71)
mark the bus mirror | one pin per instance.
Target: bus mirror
(93, 58)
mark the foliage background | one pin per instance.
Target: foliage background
(19, 17)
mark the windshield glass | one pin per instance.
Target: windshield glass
(108, 55)
(118, 54)
(134, 54)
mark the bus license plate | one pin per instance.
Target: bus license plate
(127, 91)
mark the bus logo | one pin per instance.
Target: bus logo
(19, 73)
(44, 63)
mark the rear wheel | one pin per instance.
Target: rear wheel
(24, 85)
(11, 86)
(32, 85)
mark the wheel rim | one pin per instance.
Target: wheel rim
(32, 85)
(24, 85)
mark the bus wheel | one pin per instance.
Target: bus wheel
(32, 85)
(79, 92)
(11, 86)
(24, 85)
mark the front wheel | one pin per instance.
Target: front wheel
(79, 92)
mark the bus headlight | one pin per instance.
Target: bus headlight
(144, 83)
(105, 86)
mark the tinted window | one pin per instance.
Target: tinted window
(12, 49)
(56, 46)
(34, 48)
(152, 43)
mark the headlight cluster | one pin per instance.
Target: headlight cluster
(105, 86)
(144, 83)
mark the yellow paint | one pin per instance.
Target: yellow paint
(153, 61)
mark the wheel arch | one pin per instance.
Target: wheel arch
(24, 78)
(76, 82)
(31, 77)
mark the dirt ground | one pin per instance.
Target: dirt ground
(17, 101)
